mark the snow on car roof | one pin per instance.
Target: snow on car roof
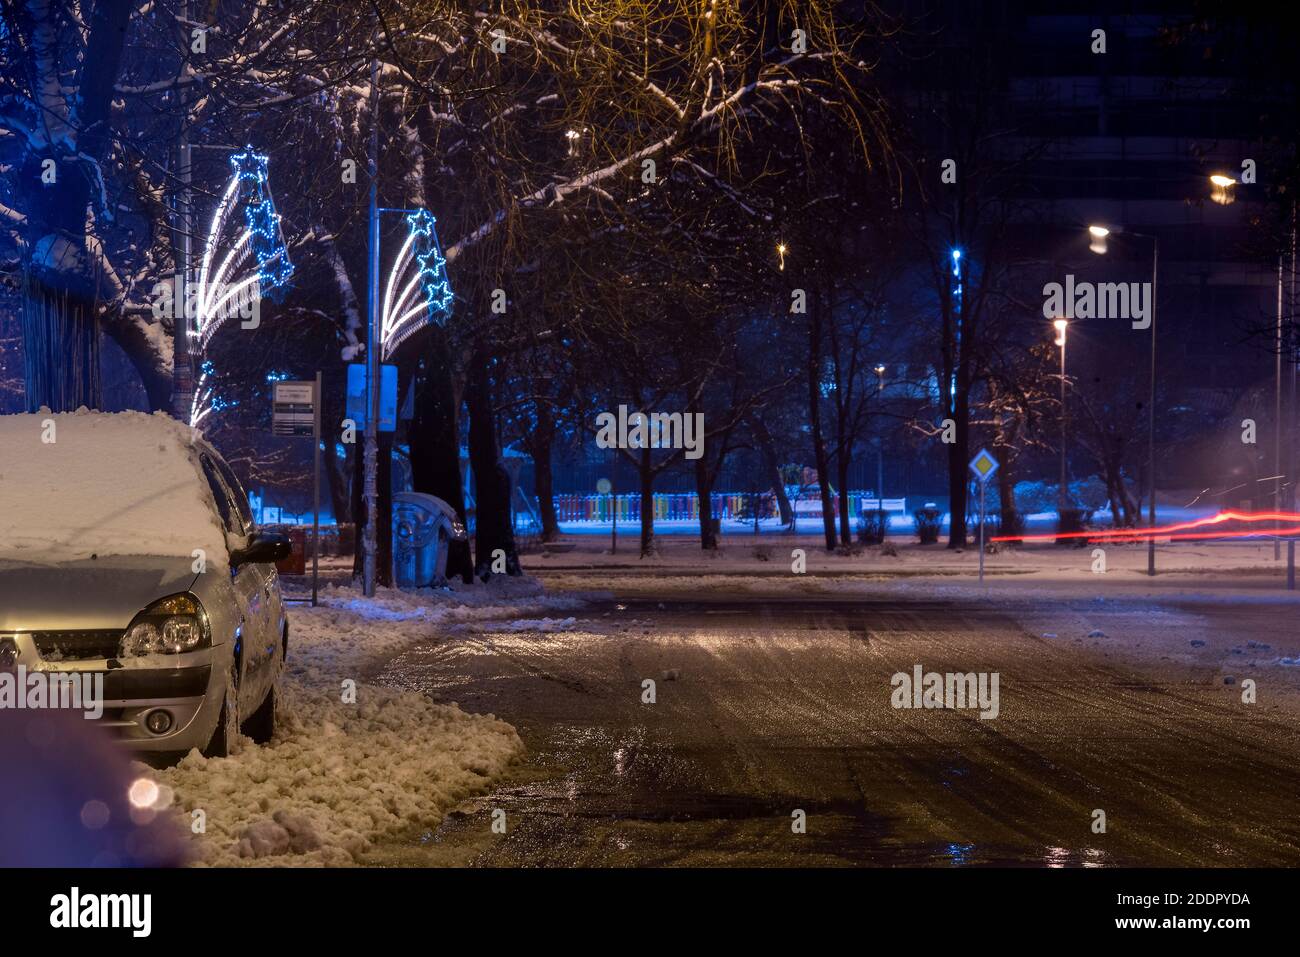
(91, 483)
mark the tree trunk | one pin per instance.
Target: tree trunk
(1121, 507)
(134, 339)
(1009, 518)
(1112, 500)
(815, 421)
(435, 443)
(704, 493)
(958, 458)
(842, 475)
(540, 443)
(63, 269)
(494, 535)
(544, 480)
(1130, 508)
(772, 466)
(644, 468)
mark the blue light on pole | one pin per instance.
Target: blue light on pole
(430, 265)
(226, 280)
(957, 311)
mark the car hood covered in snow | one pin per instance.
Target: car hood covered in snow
(93, 593)
(85, 484)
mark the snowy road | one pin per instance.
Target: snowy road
(770, 704)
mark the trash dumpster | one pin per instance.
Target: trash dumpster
(423, 528)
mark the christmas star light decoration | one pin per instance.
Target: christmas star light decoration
(419, 266)
(227, 279)
(273, 266)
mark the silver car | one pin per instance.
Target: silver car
(189, 654)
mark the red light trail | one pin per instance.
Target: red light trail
(1173, 531)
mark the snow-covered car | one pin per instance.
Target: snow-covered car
(127, 549)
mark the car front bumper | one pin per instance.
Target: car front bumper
(188, 687)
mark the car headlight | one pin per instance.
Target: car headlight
(173, 625)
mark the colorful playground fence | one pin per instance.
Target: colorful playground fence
(685, 506)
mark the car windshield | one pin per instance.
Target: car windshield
(92, 484)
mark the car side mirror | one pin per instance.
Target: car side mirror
(262, 548)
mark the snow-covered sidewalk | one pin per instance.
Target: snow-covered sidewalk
(344, 772)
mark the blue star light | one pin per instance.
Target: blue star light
(250, 167)
(273, 266)
(430, 264)
(421, 222)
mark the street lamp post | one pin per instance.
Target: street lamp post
(1061, 498)
(880, 453)
(1277, 416)
(1098, 245)
(1291, 451)
(1221, 192)
(1285, 342)
(370, 447)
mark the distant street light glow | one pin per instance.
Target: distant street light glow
(1098, 242)
(1221, 192)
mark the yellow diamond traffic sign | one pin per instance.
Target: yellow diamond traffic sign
(983, 465)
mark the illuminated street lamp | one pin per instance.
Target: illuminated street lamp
(1062, 500)
(880, 452)
(1222, 192)
(1221, 189)
(1097, 244)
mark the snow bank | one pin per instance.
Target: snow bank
(340, 777)
(541, 625)
(90, 483)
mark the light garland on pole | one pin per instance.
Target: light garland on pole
(249, 189)
(419, 265)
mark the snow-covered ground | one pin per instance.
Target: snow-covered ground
(339, 777)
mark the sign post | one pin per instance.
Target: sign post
(295, 412)
(983, 465)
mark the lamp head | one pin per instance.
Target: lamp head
(1221, 188)
(1097, 239)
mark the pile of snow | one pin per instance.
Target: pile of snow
(542, 625)
(339, 778)
(91, 483)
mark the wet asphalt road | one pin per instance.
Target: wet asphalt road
(768, 705)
